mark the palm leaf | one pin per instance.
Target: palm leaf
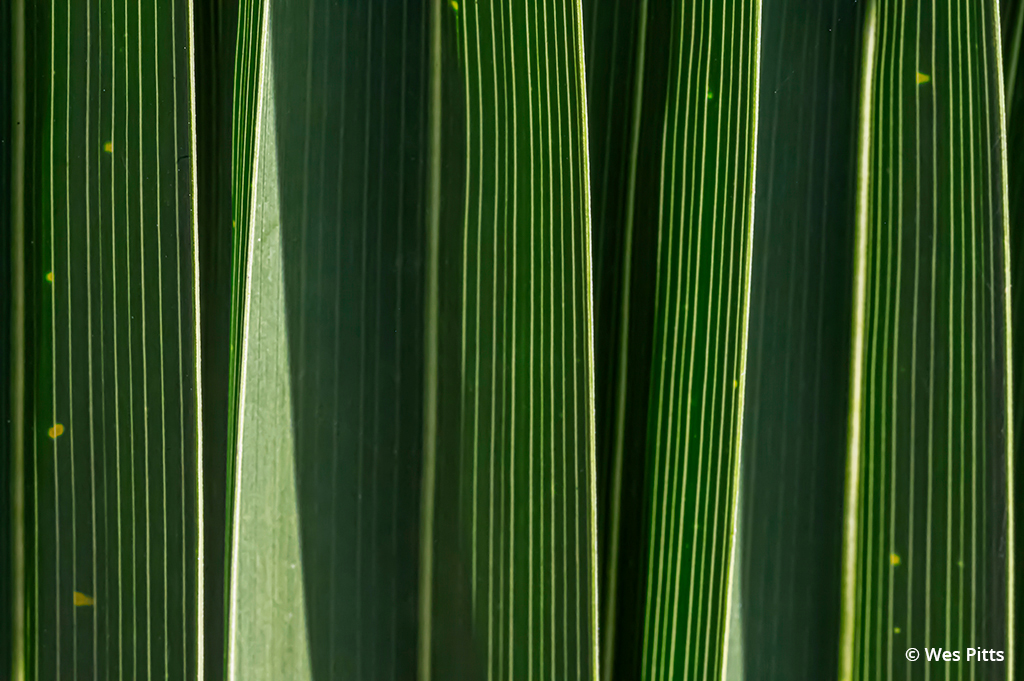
(107, 410)
(928, 554)
(675, 251)
(514, 497)
(799, 339)
(412, 379)
(456, 432)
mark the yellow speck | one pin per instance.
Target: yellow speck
(735, 383)
(894, 559)
(455, 5)
(108, 147)
(82, 599)
(897, 630)
(56, 430)
(960, 564)
(49, 276)
(922, 78)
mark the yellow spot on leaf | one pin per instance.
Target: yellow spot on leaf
(455, 5)
(897, 630)
(56, 430)
(82, 599)
(108, 147)
(735, 383)
(49, 276)
(894, 559)
(922, 78)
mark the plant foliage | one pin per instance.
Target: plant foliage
(504, 340)
(107, 420)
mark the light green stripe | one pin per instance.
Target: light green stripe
(851, 501)
(196, 345)
(1011, 532)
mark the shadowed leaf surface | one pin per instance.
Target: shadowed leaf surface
(796, 401)
(412, 379)
(328, 347)
(214, 25)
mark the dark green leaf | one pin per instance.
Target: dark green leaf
(928, 551)
(413, 420)
(796, 400)
(111, 426)
(674, 249)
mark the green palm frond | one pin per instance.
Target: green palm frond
(462, 339)
(928, 553)
(800, 311)
(674, 327)
(404, 309)
(108, 431)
